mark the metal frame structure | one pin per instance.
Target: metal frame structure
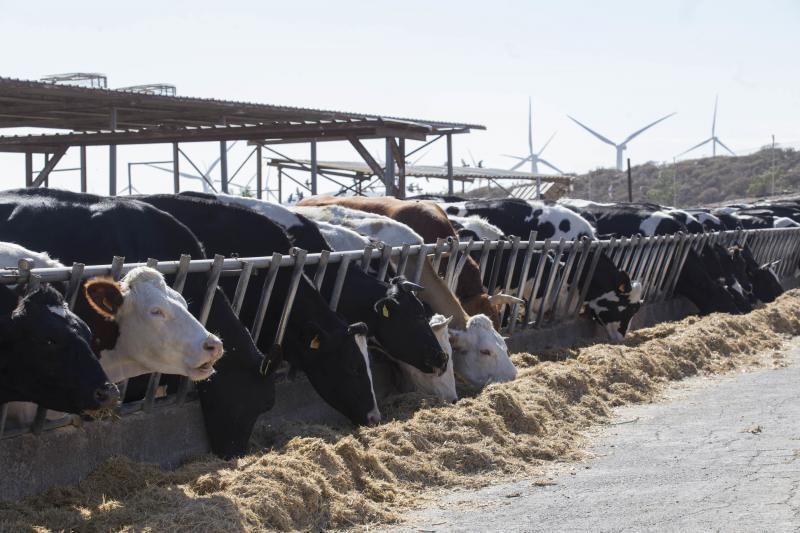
(654, 261)
(103, 117)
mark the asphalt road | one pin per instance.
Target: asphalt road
(719, 454)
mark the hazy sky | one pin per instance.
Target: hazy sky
(614, 65)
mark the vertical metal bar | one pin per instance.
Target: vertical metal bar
(484, 257)
(512, 263)
(449, 139)
(339, 283)
(401, 166)
(452, 260)
(598, 250)
(619, 251)
(259, 172)
(223, 166)
(537, 278)
(422, 256)
(662, 267)
(28, 169)
(211, 287)
(573, 289)
(322, 266)
(280, 185)
(366, 258)
(401, 265)
(388, 171)
(437, 253)
(655, 255)
(549, 286)
(84, 180)
(266, 293)
(176, 171)
(314, 170)
(523, 278)
(673, 271)
(112, 170)
(688, 245)
(383, 265)
(562, 279)
(116, 267)
(498, 259)
(627, 254)
(241, 287)
(462, 260)
(297, 273)
(74, 284)
(638, 246)
(644, 260)
(183, 271)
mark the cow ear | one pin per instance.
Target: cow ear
(313, 337)
(385, 307)
(104, 296)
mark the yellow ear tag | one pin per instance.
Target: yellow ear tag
(385, 312)
(314, 343)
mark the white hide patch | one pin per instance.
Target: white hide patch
(275, 212)
(650, 224)
(442, 386)
(341, 238)
(479, 226)
(374, 415)
(460, 208)
(377, 227)
(556, 214)
(480, 355)
(784, 222)
(60, 310)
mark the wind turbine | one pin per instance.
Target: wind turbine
(621, 147)
(534, 157)
(714, 140)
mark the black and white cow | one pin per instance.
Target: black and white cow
(85, 228)
(46, 357)
(709, 222)
(331, 353)
(392, 311)
(612, 297)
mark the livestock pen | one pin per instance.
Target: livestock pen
(168, 430)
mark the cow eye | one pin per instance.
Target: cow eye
(50, 341)
(157, 312)
(487, 353)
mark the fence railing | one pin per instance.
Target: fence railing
(655, 262)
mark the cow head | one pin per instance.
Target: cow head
(766, 285)
(401, 326)
(480, 355)
(443, 385)
(615, 307)
(718, 264)
(157, 333)
(336, 361)
(45, 357)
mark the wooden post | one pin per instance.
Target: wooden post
(259, 172)
(630, 182)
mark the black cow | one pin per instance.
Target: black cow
(45, 355)
(766, 285)
(86, 228)
(331, 353)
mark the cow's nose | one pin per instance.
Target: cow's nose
(107, 395)
(373, 419)
(214, 346)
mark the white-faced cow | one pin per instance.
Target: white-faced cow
(85, 228)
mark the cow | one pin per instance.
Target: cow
(470, 340)
(392, 311)
(707, 220)
(612, 298)
(80, 227)
(331, 353)
(475, 227)
(766, 285)
(430, 222)
(690, 222)
(46, 357)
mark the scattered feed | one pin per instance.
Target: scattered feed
(314, 477)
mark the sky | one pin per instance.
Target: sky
(614, 65)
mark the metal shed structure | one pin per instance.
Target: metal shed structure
(363, 176)
(96, 116)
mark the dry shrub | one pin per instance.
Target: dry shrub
(316, 477)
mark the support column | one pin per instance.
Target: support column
(401, 165)
(259, 172)
(112, 158)
(84, 181)
(280, 185)
(28, 169)
(388, 171)
(176, 169)
(449, 163)
(47, 176)
(223, 166)
(313, 168)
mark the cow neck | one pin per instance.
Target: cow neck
(119, 368)
(440, 298)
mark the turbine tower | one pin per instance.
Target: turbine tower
(621, 147)
(714, 140)
(534, 157)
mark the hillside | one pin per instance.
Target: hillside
(699, 181)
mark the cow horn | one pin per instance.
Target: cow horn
(409, 286)
(503, 299)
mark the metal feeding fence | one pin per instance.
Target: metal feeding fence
(513, 266)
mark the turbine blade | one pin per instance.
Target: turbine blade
(474, 164)
(542, 161)
(516, 157)
(530, 127)
(545, 144)
(587, 128)
(696, 146)
(640, 131)
(714, 120)
(723, 145)
(521, 162)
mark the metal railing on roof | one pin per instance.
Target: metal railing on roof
(655, 262)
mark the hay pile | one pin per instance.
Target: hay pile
(316, 477)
